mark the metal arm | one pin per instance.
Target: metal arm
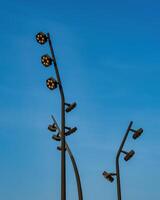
(79, 187)
(63, 154)
(117, 161)
(78, 180)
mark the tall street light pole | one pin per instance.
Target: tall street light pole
(52, 84)
(63, 151)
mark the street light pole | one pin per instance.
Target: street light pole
(128, 155)
(52, 84)
(63, 151)
(117, 161)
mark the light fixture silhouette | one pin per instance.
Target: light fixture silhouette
(46, 60)
(41, 38)
(70, 130)
(137, 133)
(128, 155)
(51, 83)
(109, 176)
(52, 127)
(56, 137)
(70, 107)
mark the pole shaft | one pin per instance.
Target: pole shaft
(63, 152)
(78, 180)
(119, 196)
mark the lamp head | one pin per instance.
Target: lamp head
(41, 38)
(70, 107)
(46, 60)
(56, 137)
(51, 83)
(129, 155)
(52, 127)
(108, 176)
(70, 131)
(137, 133)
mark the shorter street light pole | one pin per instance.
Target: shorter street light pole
(117, 161)
(128, 156)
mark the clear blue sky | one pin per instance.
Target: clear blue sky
(108, 56)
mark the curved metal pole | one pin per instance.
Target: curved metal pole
(79, 187)
(78, 180)
(63, 153)
(117, 161)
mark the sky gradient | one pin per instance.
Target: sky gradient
(108, 57)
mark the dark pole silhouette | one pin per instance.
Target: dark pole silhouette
(128, 155)
(63, 152)
(46, 60)
(117, 161)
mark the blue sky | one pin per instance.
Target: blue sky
(108, 56)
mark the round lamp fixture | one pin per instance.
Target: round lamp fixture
(51, 83)
(46, 60)
(41, 38)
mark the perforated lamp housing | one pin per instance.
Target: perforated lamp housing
(51, 83)
(46, 60)
(41, 38)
